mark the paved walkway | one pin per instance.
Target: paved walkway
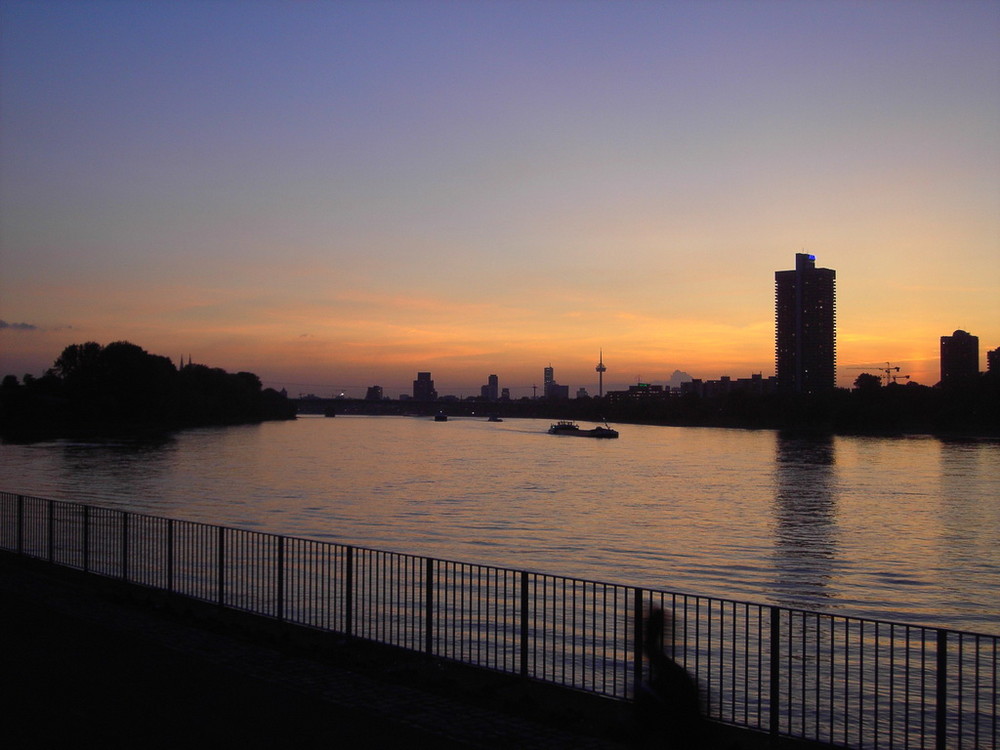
(88, 661)
(80, 665)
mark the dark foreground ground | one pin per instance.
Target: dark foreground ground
(85, 661)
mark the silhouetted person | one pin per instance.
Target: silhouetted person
(668, 704)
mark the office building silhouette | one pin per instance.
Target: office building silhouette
(423, 388)
(805, 341)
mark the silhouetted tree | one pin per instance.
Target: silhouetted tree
(867, 382)
(123, 387)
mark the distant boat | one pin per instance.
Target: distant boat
(440, 417)
(565, 427)
(494, 418)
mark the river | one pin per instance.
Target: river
(904, 529)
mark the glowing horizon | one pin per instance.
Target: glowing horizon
(335, 196)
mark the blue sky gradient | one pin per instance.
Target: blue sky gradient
(338, 194)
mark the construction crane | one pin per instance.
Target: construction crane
(889, 372)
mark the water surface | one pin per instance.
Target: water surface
(906, 529)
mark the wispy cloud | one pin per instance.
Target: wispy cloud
(4, 325)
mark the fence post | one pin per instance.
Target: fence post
(20, 524)
(221, 564)
(775, 692)
(941, 730)
(281, 579)
(124, 549)
(638, 637)
(170, 555)
(349, 592)
(51, 531)
(524, 623)
(86, 538)
(429, 607)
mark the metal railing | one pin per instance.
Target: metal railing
(841, 680)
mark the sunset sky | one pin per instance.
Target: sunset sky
(338, 194)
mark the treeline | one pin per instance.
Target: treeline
(122, 388)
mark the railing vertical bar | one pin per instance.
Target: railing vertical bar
(637, 639)
(775, 669)
(524, 623)
(124, 546)
(708, 654)
(280, 583)
(221, 566)
(875, 689)
(170, 554)
(996, 643)
(923, 686)
(20, 524)
(732, 664)
(50, 531)
(86, 539)
(861, 679)
(429, 606)
(941, 699)
(746, 664)
(976, 710)
(960, 676)
(789, 701)
(847, 680)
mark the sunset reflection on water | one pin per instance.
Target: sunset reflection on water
(895, 528)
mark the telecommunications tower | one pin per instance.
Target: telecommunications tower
(600, 369)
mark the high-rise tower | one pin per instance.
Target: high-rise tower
(805, 340)
(600, 369)
(959, 357)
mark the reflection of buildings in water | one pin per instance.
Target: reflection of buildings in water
(805, 524)
(966, 527)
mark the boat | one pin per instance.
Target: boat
(440, 417)
(494, 418)
(565, 427)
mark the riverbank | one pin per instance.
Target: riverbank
(91, 661)
(969, 412)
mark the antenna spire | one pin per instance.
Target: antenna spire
(601, 369)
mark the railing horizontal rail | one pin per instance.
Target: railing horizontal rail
(842, 680)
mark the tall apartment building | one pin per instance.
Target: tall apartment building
(959, 357)
(805, 340)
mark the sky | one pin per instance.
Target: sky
(335, 195)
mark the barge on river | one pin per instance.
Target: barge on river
(565, 427)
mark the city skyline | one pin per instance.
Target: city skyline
(335, 196)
